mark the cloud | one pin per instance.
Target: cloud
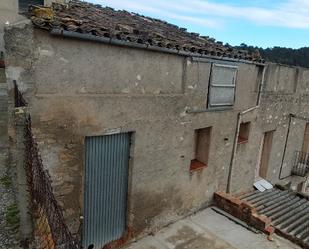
(284, 13)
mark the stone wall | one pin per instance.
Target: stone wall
(278, 103)
(77, 88)
(8, 15)
(9, 210)
(285, 92)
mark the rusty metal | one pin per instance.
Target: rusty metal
(301, 163)
(51, 231)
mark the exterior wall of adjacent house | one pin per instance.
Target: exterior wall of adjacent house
(8, 14)
(285, 91)
(76, 88)
(72, 87)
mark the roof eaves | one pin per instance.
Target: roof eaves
(123, 27)
(117, 42)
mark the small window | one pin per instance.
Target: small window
(244, 130)
(202, 144)
(222, 86)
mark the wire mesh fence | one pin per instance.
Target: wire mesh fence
(51, 231)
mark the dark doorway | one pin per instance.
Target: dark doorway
(266, 152)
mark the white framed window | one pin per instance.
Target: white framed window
(222, 85)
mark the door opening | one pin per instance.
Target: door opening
(106, 185)
(266, 152)
(305, 148)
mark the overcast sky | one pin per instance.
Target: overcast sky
(264, 23)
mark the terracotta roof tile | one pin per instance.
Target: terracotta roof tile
(87, 18)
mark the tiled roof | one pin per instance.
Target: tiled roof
(101, 21)
(288, 212)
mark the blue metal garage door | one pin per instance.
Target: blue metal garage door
(106, 181)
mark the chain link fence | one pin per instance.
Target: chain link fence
(51, 231)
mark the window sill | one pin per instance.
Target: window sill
(197, 165)
(242, 141)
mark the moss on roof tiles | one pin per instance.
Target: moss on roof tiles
(87, 18)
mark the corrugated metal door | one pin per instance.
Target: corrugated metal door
(106, 182)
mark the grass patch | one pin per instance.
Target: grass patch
(6, 181)
(12, 217)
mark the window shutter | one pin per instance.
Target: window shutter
(222, 85)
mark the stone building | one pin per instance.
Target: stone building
(139, 122)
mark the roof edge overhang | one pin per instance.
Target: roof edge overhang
(116, 42)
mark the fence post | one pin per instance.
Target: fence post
(23, 196)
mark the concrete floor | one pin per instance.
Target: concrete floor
(209, 230)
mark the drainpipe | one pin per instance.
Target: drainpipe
(239, 119)
(113, 41)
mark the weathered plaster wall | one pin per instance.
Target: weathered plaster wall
(8, 13)
(77, 89)
(243, 173)
(277, 104)
(8, 16)
(285, 92)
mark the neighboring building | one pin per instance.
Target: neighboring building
(10, 13)
(139, 122)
